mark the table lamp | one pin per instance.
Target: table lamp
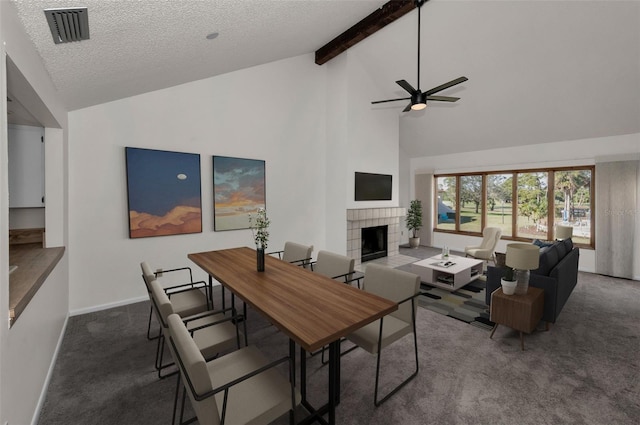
(522, 257)
(564, 232)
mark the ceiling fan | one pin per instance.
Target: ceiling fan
(419, 98)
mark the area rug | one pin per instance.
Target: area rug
(466, 304)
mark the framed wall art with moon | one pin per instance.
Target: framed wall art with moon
(163, 192)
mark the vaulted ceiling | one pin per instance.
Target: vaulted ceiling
(539, 71)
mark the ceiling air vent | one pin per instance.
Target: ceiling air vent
(68, 24)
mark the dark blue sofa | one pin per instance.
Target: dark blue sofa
(557, 275)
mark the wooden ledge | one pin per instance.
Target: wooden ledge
(35, 263)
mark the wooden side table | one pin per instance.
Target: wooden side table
(519, 312)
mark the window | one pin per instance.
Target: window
(532, 205)
(499, 197)
(446, 202)
(572, 203)
(471, 203)
(526, 204)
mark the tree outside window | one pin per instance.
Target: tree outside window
(532, 205)
(499, 202)
(518, 203)
(572, 202)
(470, 217)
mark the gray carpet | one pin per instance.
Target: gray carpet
(583, 371)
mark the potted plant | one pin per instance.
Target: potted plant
(508, 281)
(260, 230)
(414, 222)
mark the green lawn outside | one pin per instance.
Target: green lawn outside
(501, 217)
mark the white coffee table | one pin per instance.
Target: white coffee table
(461, 272)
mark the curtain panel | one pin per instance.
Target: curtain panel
(616, 216)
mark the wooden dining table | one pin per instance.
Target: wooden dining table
(311, 309)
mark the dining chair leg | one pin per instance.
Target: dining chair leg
(175, 401)
(403, 383)
(160, 357)
(149, 337)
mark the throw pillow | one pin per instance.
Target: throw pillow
(562, 249)
(542, 244)
(548, 260)
(568, 243)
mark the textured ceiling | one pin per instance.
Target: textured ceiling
(539, 71)
(141, 46)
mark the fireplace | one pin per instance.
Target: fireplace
(358, 219)
(374, 243)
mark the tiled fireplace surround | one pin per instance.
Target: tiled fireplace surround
(358, 219)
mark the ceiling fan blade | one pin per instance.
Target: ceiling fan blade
(446, 85)
(408, 108)
(389, 100)
(443, 98)
(408, 87)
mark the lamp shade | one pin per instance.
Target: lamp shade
(522, 256)
(564, 232)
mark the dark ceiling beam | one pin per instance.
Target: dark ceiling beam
(377, 20)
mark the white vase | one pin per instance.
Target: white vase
(508, 286)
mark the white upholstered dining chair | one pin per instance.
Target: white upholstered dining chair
(241, 387)
(403, 288)
(188, 298)
(336, 266)
(295, 253)
(212, 331)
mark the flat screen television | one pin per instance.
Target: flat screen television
(372, 187)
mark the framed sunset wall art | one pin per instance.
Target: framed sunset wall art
(163, 190)
(239, 190)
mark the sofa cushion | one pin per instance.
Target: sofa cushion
(548, 260)
(562, 249)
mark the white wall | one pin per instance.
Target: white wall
(302, 120)
(373, 133)
(359, 138)
(32, 344)
(283, 124)
(405, 196)
(570, 153)
(55, 152)
(27, 349)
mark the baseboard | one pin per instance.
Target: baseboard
(101, 307)
(47, 380)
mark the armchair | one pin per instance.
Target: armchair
(486, 249)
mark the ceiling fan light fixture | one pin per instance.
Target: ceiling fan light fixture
(418, 97)
(418, 101)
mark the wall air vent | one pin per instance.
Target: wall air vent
(68, 24)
